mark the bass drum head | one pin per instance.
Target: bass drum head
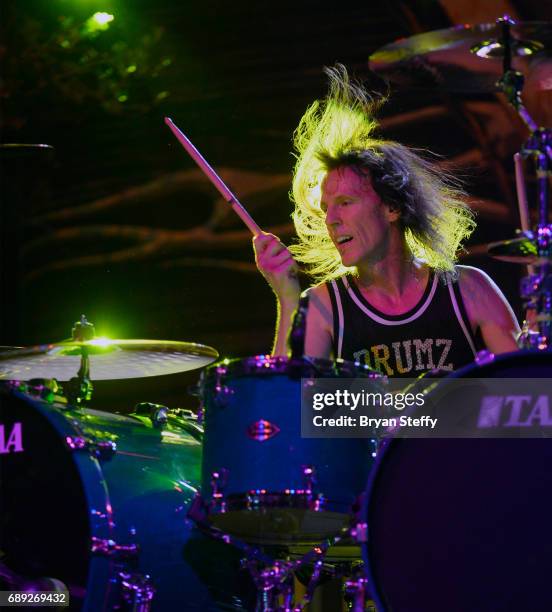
(56, 502)
(44, 525)
(463, 524)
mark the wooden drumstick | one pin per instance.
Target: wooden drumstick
(214, 178)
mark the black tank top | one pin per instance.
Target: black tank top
(436, 333)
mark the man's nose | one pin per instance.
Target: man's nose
(332, 216)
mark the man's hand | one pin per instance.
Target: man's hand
(278, 267)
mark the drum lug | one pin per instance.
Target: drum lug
(46, 389)
(157, 413)
(112, 550)
(308, 477)
(484, 357)
(222, 395)
(218, 482)
(201, 414)
(360, 532)
(137, 590)
(529, 339)
(356, 589)
(103, 450)
(222, 391)
(316, 502)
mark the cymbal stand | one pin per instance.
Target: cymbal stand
(536, 289)
(79, 388)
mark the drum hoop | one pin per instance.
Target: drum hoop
(513, 356)
(95, 491)
(373, 476)
(252, 501)
(307, 367)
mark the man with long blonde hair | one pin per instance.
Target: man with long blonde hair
(379, 228)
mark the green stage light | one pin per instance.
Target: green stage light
(98, 22)
(102, 18)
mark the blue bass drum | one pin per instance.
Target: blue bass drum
(98, 501)
(463, 524)
(261, 480)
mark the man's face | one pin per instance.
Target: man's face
(357, 220)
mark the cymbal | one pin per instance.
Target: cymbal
(462, 59)
(518, 250)
(109, 359)
(12, 150)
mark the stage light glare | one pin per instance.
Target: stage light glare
(102, 18)
(99, 22)
(101, 341)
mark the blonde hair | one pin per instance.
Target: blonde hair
(338, 132)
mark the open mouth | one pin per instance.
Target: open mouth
(343, 240)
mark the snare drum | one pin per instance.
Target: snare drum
(98, 501)
(261, 480)
(463, 524)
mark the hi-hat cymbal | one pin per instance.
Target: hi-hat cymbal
(463, 59)
(109, 359)
(518, 250)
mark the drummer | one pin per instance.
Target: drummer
(379, 228)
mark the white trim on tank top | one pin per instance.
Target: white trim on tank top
(340, 322)
(383, 321)
(375, 317)
(460, 319)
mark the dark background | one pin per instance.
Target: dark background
(116, 222)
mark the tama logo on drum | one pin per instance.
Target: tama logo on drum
(11, 441)
(514, 411)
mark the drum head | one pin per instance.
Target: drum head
(463, 524)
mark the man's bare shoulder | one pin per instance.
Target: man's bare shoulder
(488, 309)
(320, 304)
(479, 291)
(473, 278)
(478, 288)
(319, 293)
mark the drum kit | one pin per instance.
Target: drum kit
(230, 508)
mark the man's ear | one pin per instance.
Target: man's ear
(393, 214)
